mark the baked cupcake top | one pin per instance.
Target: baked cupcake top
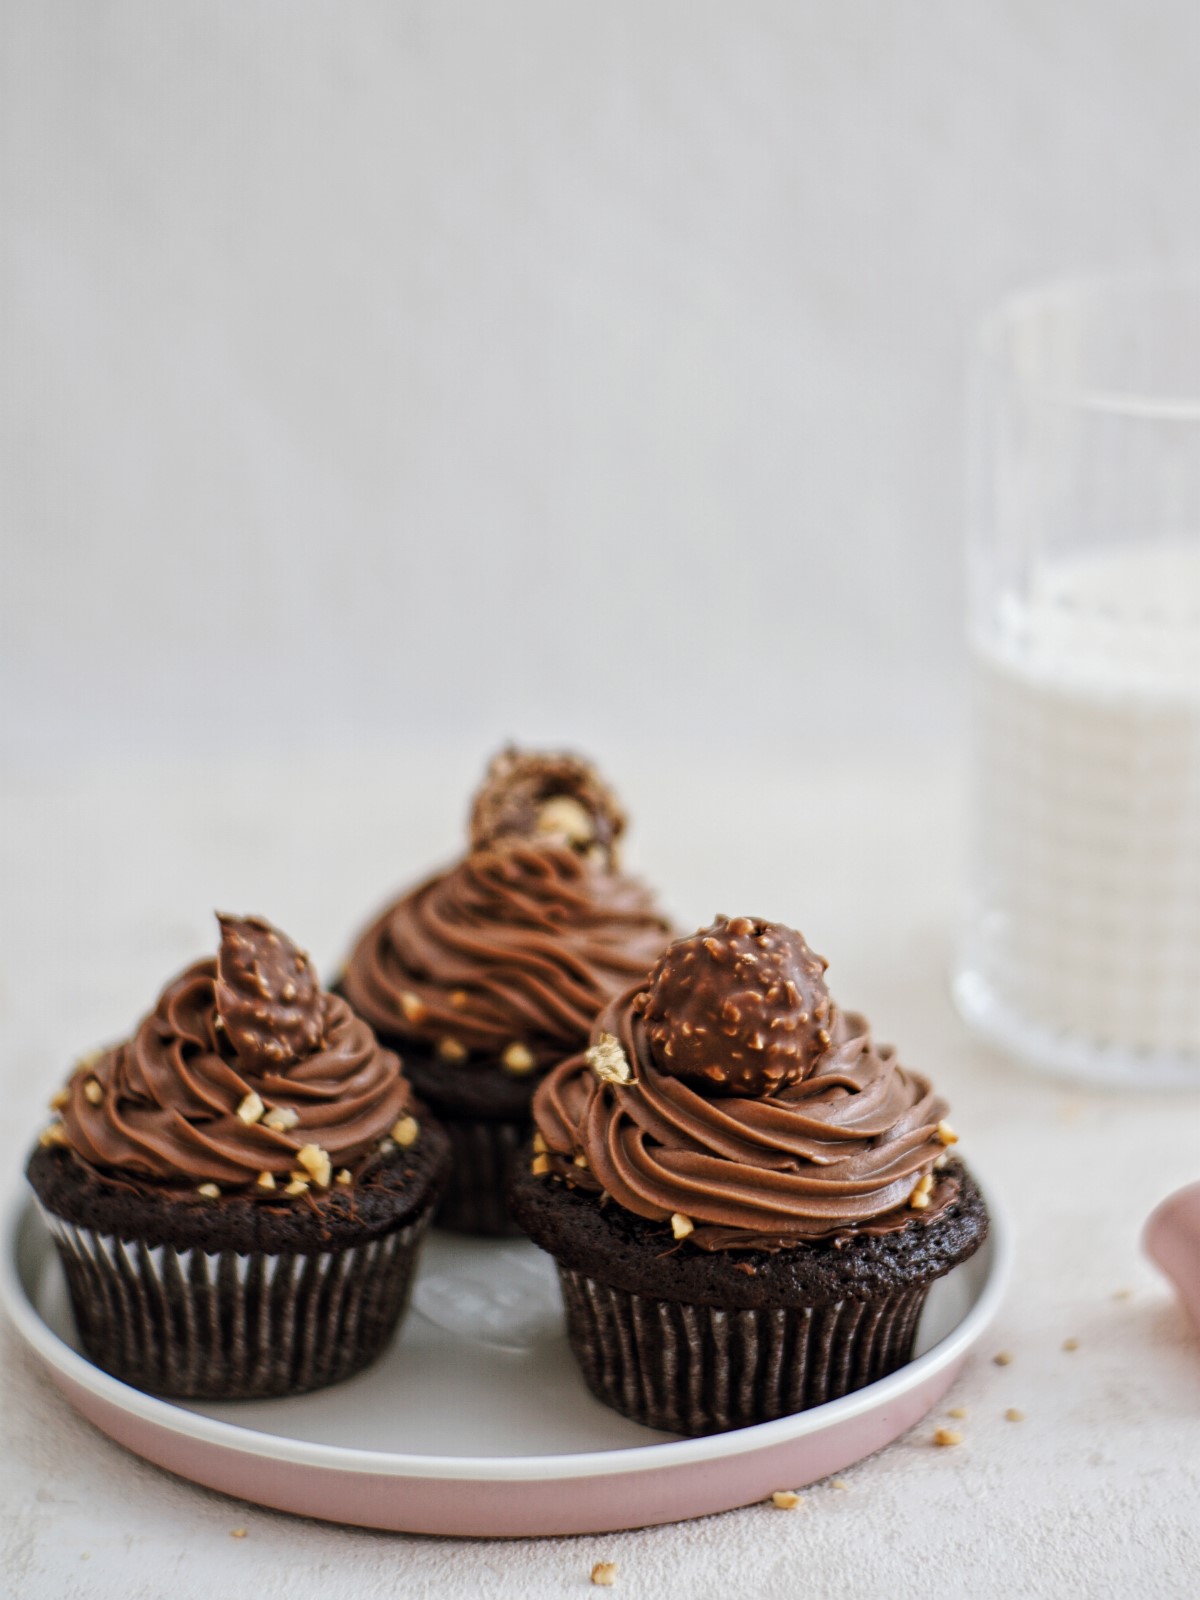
(511, 953)
(726, 1094)
(245, 1077)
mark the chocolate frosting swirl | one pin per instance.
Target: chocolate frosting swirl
(840, 1152)
(163, 1106)
(519, 944)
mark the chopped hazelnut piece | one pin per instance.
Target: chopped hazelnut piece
(316, 1163)
(919, 1199)
(608, 1060)
(947, 1436)
(517, 1059)
(540, 1165)
(838, 1483)
(1070, 1344)
(452, 1050)
(604, 1574)
(52, 1135)
(1123, 1294)
(1003, 1358)
(946, 1133)
(251, 1108)
(580, 1160)
(539, 1143)
(957, 1411)
(297, 1186)
(265, 1180)
(93, 1093)
(458, 998)
(210, 1191)
(1013, 1415)
(413, 1007)
(405, 1132)
(237, 1533)
(387, 1146)
(681, 1226)
(563, 814)
(785, 1499)
(60, 1100)
(344, 1177)
(281, 1119)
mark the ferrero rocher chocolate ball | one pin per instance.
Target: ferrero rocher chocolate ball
(268, 995)
(740, 1008)
(548, 797)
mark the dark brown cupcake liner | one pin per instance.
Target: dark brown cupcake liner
(226, 1326)
(695, 1369)
(483, 1152)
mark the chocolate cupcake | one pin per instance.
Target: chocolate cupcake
(747, 1198)
(487, 974)
(237, 1193)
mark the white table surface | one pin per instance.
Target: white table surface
(109, 881)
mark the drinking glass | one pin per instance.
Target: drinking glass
(1081, 946)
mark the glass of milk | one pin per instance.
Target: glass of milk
(1081, 950)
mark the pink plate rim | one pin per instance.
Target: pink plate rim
(79, 1374)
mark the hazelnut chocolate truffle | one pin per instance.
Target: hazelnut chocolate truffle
(238, 1191)
(747, 1198)
(530, 794)
(739, 1008)
(489, 973)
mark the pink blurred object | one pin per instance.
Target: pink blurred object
(1171, 1238)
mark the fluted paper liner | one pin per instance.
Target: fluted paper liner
(484, 1151)
(701, 1369)
(226, 1326)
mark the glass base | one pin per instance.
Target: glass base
(1066, 1055)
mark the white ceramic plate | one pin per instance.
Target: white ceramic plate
(476, 1422)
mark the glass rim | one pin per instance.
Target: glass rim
(1060, 294)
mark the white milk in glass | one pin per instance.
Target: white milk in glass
(1083, 945)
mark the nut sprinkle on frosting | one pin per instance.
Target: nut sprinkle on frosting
(547, 796)
(739, 1008)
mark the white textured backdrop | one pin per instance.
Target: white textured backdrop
(398, 375)
(415, 371)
